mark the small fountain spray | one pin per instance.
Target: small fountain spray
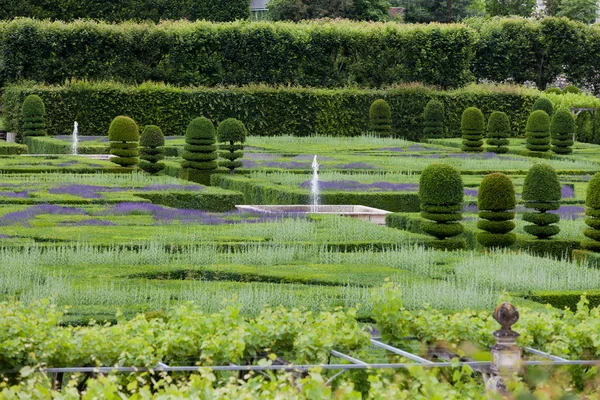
(75, 139)
(314, 185)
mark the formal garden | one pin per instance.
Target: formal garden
(127, 271)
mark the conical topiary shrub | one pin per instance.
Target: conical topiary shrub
(232, 135)
(498, 132)
(592, 212)
(542, 192)
(472, 125)
(441, 195)
(381, 118)
(433, 117)
(124, 137)
(538, 131)
(34, 116)
(496, 202)
(544, 104)
(584, 128)
(562, 128)
(152, 151)
(200, 152)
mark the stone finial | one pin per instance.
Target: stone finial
(506, 315)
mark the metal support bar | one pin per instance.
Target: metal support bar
(347, 357)
(543, 354)
(161, 364)
(401, 352)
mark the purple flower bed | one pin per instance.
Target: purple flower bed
(356, 165)
(22, 217)
(286, 165)
(567, 191)
(471, 192)
(310, 157)
(84, 191)
(262, 156)
(357, 186)
(249, 163)
(172, 187)
(88, 222)
(395, 149)
(569, 211)
(67, 163)
(17, 195)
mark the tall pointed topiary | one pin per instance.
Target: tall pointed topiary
(232, 135)
(380, 114)
(124, 137)
(538, 131)
(544, 104)
(433, 117)
(498, 132)
(200, 152)
(152, 151)
(496, 202)
(542, 192)
(34, 116)
(441, 195)
(562, 128)
(472, 125)
(592, 212)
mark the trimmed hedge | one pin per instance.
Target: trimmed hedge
(230, 132)
(335, 53)
(380, 115)
(554, 248)
(498, 132)
(210, 199)
(257, 191)
(433, 117)
(34, 116)
(472, 124)
(562, 128)
(538, 131)
(309, 112)
(495, 200)
(592, 210)
(152, 141)
(199, 153)
(562, 299)
(12, 149)
(124, 135)
(542, 192)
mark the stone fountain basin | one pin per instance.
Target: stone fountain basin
(364, 213)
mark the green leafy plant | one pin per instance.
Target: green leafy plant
(571, 89)
(583, 128)
(496, 202)
(380, 115)
(231, 134)
(34, 113)
(441, 195)
(562, 129)
(152, 151)
(433, 117)
(538, 131)
(472, 125)
(592, 212)
(124, 136)
(200, 151)
(498, 132)
(542, 192)
(554, 90)
(544, 104)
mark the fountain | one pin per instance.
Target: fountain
(75, 140)
(371, 214)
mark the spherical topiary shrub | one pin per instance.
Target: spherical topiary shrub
(538, 131)
(441, 195)
(583, 128)
(498, 132)
(571, 89)
(496, 202)
(231, 134)
(200, 152)
(472, 125)
(152, 141)
(544, 104)
(124, 136)
(34, 113)
(542, 192)
(592, 212)
(562, 128)
(554, 90)
(381, 118)
(433, 117)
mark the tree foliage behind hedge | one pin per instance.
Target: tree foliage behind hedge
(336, 112)
(123, 10)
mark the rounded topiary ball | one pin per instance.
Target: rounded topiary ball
(200, 128)
(544, 104)
(496, 193)
(152, 136)
(231, 130)
(123, 129)
(441, 185)
(541, 185)
(33, 105)
(495, 201)
(538, 121)
(498, 130)
(592, 198)
(472, 120)
(562, 129)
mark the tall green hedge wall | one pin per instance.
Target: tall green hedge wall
(335, 112)
(330, 54)
(123, 10)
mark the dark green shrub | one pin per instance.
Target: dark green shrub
(596, 126)
(232, 135)
(583, 128)
(498, 132)
(441, 195)
(562, 128)
(495, 200)
(124, 136)
(592, 210)
(433, 117)
(152, 151)
(199, 153)
(34, 113)
(571, 89)
(554, 90)
(538, 131)
(472, 125)
(380, 114)
(544, 104)
(542, 192)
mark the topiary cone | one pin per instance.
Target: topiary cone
(498, 131)
(124, 135)
(542, 192)
(496, 202)
(472, 125)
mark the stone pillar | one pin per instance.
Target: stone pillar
(506, 355)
